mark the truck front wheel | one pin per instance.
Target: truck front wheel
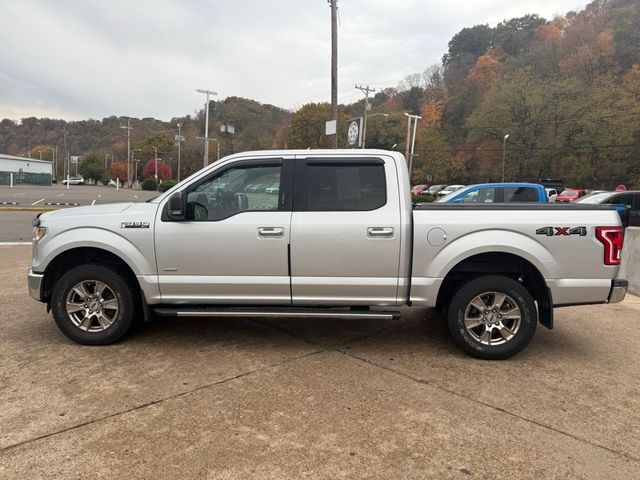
(492, 317)
(93, 304)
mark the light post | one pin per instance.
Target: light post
(409, 153)
(218, 147)
(135, 165)
(504, 154)
(106, 156)
(364, 131)
(155, 161)
(206, 124)
(53, 160)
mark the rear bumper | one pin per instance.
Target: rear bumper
(618, 290)
(34, 281)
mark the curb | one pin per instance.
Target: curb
(25, 208)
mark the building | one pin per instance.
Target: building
(25, 170)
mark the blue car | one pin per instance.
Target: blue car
(498, 193)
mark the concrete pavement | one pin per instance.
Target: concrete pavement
(224, 398)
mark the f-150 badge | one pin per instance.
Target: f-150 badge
(134, 225)
(562, 231)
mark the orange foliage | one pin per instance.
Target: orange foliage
(392, 105)
(431, 113)
(631, 82)
(119, 170)
(485, 71)
(547, 32)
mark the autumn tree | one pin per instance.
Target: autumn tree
(152, 166)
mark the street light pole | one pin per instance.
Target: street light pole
(128, 127)
(179, 142)
(504, 154)
(409, 153)
(155, 161)
(206, 124)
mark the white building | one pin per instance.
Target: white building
(9, 163)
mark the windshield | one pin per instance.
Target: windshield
(569, 193)
(448, 196)
(595, 198)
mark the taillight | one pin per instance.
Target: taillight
(611, 238)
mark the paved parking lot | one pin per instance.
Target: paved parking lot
(30, 195)
(225, 398)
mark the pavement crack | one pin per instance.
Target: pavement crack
(160, 400)
(488, 405)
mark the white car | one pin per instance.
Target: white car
(74, 181)
(449, 189)
(275, 188)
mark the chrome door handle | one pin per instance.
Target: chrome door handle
(270, 232)
(380, 232)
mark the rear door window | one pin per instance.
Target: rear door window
(519, 194)
(345, 187)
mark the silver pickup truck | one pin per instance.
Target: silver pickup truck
(322, 233)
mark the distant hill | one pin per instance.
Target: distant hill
(566, 91)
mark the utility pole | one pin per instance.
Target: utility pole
(334, 67)
(66, 154)
(128, 127)
(179, 142)
(409, 153)
(366, 91)
(504, 154)
(206, 124)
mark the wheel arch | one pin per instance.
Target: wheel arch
(500, 263)
(77, 256)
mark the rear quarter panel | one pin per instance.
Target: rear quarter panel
(572, 265)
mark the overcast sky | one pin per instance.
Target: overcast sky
(91, 59)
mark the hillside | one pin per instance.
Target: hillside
(566, 91)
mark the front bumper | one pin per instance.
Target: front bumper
(34, 281)
(618, 290)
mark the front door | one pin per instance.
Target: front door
(232, 247)
(345, 232)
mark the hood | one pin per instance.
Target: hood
(88, 210)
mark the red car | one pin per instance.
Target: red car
(419, 189)
(570, 195)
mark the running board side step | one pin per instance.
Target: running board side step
(275, 313)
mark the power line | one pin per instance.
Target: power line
(536, 149)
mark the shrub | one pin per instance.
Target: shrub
(149, 184)
(166, 185)
(422, 198)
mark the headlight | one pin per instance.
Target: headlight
(38, 233)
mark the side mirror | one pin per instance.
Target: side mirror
(176, 207)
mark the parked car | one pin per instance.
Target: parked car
(552, 193)
(570, 195)
(341, 240)
(74, 181)
(449, 189)
(497, 193)
(627, 204)
(433, 189)
(419, 189)
(275, 188)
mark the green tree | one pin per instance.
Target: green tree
(92, 167)
(308, 126)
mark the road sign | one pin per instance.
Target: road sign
(330, 127)
(228, 128)
(354, 132)
(74, 159)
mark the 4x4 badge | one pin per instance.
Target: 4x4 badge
(562, 231)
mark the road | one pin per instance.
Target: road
(237, 398)
(15, 225)
(57, 194)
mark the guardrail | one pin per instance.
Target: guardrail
(630, 267)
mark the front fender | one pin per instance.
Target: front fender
(503, 241)
(139, 255)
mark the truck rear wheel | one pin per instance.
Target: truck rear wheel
(492, 317)
(93, 304)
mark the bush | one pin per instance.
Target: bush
(422, 198)
(166, 185)
(149, 184)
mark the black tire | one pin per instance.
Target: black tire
(122, 291)
(467, 339)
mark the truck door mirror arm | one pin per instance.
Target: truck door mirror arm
(176, 207)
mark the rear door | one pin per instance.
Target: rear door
(345, 232)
